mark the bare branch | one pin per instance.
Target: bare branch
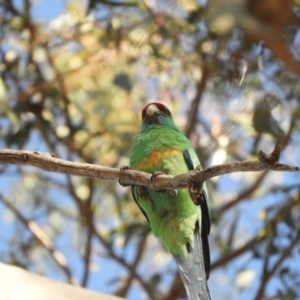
(244, 194)
(139, 253)
(196, 102)
(41, 236)
(49, 163)
(124, 263)
(267, 274)
(235, 253)
(17, 283)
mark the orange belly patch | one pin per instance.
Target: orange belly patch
(155, 158)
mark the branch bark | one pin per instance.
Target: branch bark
(49, 162)
(16, 283)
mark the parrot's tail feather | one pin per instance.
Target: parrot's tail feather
(192, 270)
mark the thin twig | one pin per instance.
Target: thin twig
(244, 194)
(232, 255)
(108, 246)
(121, 260)
(41, 236)
(177, 289)
(89, 227)
(268, 274)
(196, 102)
(133, 266)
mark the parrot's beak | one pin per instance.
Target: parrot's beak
(152, 110)
(152, 114)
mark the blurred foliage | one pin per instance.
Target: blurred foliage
(75, 85)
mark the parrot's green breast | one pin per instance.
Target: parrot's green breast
(172, 215)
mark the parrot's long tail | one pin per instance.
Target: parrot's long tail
(192, 270)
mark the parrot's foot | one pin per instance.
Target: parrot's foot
(122, 169)
(173, 193)
(141, 191)
(198, 168)
(195, 190)
(196, 195)
(155, 174)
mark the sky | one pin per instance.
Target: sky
(43, 11)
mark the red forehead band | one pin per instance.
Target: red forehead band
(160, 106)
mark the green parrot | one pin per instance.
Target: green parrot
(180, 224)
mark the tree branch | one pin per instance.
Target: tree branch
(267, 274)
(244, 194)
(196, 102)
(133, 266)
(16, 283)
(48, 162)
(41, 236)
(124, 263)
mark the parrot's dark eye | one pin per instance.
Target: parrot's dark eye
(168, 112)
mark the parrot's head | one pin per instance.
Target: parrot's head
(156, 113)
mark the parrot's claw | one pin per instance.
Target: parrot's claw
(196, 194)
(173, 193)
(122, 169)
(155, 174)
(198, 168)
(141, 191)
(195, 190)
